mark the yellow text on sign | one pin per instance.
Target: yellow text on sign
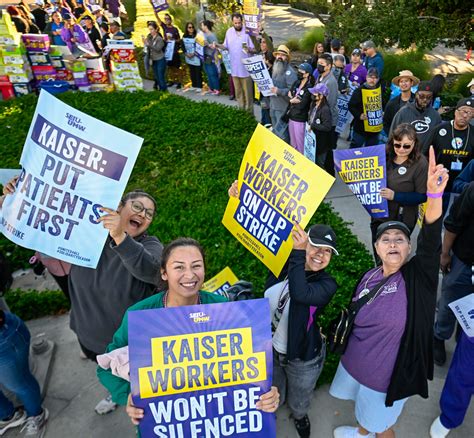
(361, 169)
(198, 361)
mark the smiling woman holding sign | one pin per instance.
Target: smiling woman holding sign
(183, 271)
(297, 297)
(388, 354)
(127, 272)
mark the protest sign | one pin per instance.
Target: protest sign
(189, 47)
(463, 309)
(159, 5)
(258, 71)
(226, 60)
(278, 187)
(72, 165)
(309, 144)
(220, 282)
(363, 170)
(169, 51)
(252, 16)
(197, 371)
(200, 41)
(344, 117)
(372, 105)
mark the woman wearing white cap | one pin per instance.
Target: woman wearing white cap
(389, 353)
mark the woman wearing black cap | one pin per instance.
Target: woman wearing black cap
(389, 355)
(297, 297)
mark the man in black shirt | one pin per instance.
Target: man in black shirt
(405, 80)
(457, 258)
(93, 32)
(453, 143)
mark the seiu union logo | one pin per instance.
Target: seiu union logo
(199, 317)
(75, 122)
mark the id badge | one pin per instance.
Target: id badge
(456, 165)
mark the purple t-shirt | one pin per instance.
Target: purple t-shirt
(359, 75)
(234, 43)
(378, 328)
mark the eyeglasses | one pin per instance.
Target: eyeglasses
(404, 146)
(138, 207)
(190, 27)
(466, 113)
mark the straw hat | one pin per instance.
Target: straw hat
(405, 74)
(282, 50)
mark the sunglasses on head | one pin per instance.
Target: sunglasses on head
(404, 146)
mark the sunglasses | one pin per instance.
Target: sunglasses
(138, 207)
(404, 146)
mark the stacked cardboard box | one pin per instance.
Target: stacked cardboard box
(37, 47)
(15, 69)
(124, 67)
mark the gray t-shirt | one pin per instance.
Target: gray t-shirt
(210, 38)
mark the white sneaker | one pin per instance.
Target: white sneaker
(350, 432)
(105, 406)
(19, 417)
(198, 90)
(437, 430)
(36, 426)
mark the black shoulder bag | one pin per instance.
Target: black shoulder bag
(340, 328)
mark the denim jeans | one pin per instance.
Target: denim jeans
(212, 76)
(296, 380)
(159, 71)
(457, 284)
(15, 372)
(280, 128)
(359, 140)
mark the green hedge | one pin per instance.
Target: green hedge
(190, 155)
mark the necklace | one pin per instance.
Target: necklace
(165, 299)
(366, 290)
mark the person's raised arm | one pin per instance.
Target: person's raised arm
(435, 185)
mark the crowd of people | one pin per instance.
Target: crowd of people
(84, 27)
(397, 336)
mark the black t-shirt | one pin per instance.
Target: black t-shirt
(454, 149)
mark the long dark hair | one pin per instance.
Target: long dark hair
(402, 130)
(193, 33)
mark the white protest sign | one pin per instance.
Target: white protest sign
(169, 51)
(309, 144)
(189, 47)
(73, 164)
(257, 69)
(226, 60)
(463, 309)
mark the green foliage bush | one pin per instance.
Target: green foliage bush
(459, 85)
(33, 304)
(311, 37)
(412, 60)
(293, 44)
(190, 155)
(315, 6)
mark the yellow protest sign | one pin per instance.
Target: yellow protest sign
(220, 282)
(278, 187)
(421, 214)
(372, 105)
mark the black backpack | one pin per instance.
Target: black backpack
(240, 291)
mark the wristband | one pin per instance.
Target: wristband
(434, 195)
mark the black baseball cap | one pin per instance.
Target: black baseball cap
(425, 86)
(322, 235)
(466, 101)
(392, 225)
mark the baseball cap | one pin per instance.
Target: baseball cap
(322, 235)
(357, 52)
(467, 101)
(373, 72)
(306, 67)
(392, 225)
(319, 89)
(425, 86)
(369, 44)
